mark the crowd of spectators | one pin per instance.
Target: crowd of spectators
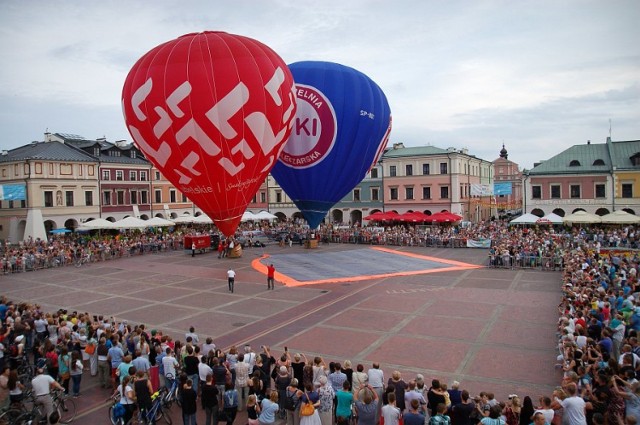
(599, 354)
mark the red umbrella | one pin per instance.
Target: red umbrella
(445, 217)
(376, 216)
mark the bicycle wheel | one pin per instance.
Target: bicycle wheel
(113, 420)
(165, 415)
(10, 417)
(67, 410)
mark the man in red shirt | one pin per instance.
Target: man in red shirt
(271, 271)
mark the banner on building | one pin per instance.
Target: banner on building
(481, 189)
(13, 192)
(502, 189)
(478, 243)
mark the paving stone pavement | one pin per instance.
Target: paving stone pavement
(489, 329)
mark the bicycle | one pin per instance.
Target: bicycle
(119, 420)
(83, 259)
(158, 411)
(65, 406)
(172, 393)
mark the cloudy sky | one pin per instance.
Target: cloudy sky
(538, 76)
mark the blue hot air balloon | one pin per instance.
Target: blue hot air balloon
(341, 127)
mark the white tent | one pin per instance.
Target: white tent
(202, 219)
(264, 215)
(129, 223)
(248, 216)
(527, 218)
(551, 218)
(159, 222)
(619, 217)
(97, 224)
(580, 217)
(183, 219)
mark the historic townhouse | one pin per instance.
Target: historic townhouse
(508, 185)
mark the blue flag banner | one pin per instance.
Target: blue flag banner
(502, 189)
(13, 192)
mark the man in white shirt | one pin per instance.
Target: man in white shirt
(231, 276)
(203, 370)
(41, 386)
(170, 364)
(574, 407)
(376, 381)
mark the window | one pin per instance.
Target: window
(375, 194)
(598, 162)
(106, 198)
(374, 173)
(184, 198)
(536, 192)
(48, 198)
(144, 197)
(443, 168)
(114, 153)
(120, 197)
(263, 197)
(426, 193)
(574, 163)
(408, 170)
(425, 169)
(408, 193)
(574, 191)
(133, 175)
(600, 191)
(356, 195)
(278, 196)
(172, 195)
(69, 197)
(143, 176)
(393, 193)
(119, 175)
(10, 204)
(555, 191)
(134, 197)
(254, 199)
(88, 198)
(627, 190)
(392, 170)
(96, 151)
(158, 196)
(444, 192)
(134, 154)
(157, 174)
(106, 175)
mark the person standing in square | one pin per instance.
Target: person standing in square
(271, 271)
(231, 276)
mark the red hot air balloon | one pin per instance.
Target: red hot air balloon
(212, 111)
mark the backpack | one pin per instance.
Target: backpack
(230, 398)
(13, 350)
(289, 402)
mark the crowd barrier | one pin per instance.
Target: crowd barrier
(553, 263)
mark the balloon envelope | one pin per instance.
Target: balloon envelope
(341, 128)
(212, 111)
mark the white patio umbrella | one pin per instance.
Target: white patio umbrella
(620, 217)
(97, 224)
(582, 217)
(159, 222)
(202, 219)
(248, 216)
(553, 218)
(527, 218)
(183, 219)
(129, 223)
(264, 215)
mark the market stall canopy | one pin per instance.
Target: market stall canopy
(582, 217)
(183, 219)
(97, 224)
(444, 217)
(129, 223)
(159, 222)
(61, 230)
(620, 217)
(376, 216)
(527, 218)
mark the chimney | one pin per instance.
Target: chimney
(5, 153)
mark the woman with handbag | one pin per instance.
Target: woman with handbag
(309, 403)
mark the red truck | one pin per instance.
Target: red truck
(202, 242)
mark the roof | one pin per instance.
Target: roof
(578, 159)
(622, 152)
(105, 147)
(54, 151)
(414, 151)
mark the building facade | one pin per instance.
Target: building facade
(598, 178)
(507, 172)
